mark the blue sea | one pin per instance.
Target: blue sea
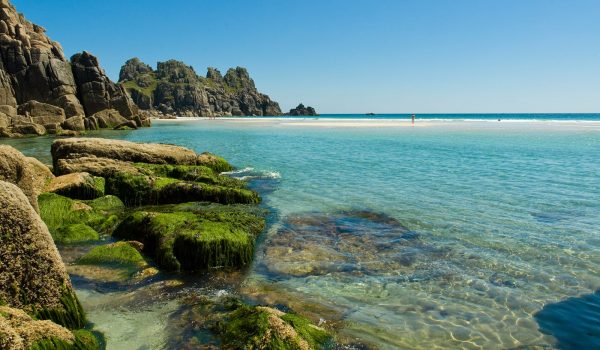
(448, 235)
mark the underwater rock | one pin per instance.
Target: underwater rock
(32, 274)
(354, 242)
(212, 237)
(77, 186)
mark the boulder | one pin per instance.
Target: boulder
(32, 275)
(122, 150)
(173, 239)
(27, 173)
(109, 118)
(77, 186)
(128, 125)
(42, 113)
(76, 123)
(29, 129)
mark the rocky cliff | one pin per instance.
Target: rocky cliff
(174, 88)
(41, 91)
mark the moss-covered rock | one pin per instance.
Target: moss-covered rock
(61, 214)
(242, 326)
(75, 234)
(121, 260)
(194, 240)
(196, 173)
(151, 190)
(261, 327)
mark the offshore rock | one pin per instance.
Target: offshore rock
(301, 110)
(175, 89)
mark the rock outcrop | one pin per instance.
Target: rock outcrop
(175, 89)
(301, 110)
(41, 91)
(32, 275)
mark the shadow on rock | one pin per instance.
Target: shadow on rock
(574, 322)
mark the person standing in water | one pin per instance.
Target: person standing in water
(413, 120)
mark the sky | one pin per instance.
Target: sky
(357, 56)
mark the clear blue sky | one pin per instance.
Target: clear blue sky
(344, 56)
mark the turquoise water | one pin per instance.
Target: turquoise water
(470, 116)
(469, 236)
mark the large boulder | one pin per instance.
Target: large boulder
(27, 173)
(133, 68)
(122, 150)
(29, 129)
(32, 275)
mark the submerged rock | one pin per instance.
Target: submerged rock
(32, 275)
(353, 242)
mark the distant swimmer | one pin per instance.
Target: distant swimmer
(413, 119)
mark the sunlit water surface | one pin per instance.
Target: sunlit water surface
(441, 237)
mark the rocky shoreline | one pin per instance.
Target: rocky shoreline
(136, 210)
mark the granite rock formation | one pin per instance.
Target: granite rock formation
(32, 275)
(175, 89)
(40, 90)
(301, 110)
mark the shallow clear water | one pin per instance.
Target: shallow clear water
(505, 220)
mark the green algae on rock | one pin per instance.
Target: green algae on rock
(75, 233)
(121, 258)
(19, 331)
(192, 241)
(60, 213)
(241, 326)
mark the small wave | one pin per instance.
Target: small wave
(250, 174)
